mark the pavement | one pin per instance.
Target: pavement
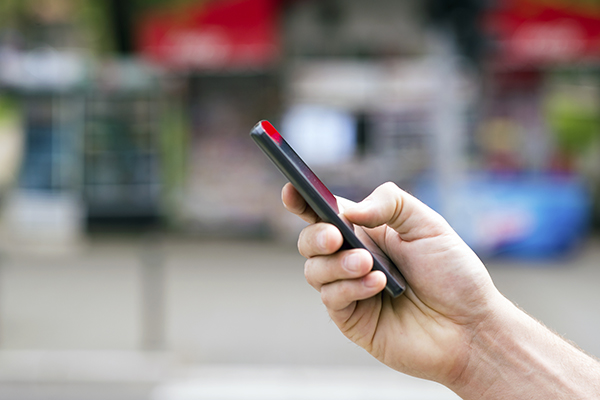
(154, 317)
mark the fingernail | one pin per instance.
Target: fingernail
(352, 262)
(370, 281)
(322, 240)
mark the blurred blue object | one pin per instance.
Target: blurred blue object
(521, 217)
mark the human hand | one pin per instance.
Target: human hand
(428, 331)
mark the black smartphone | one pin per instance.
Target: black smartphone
(323, 202)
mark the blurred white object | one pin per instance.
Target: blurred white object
(44, 68)
(297, 383)
(42, 222)
(449, 125)
(364, 85)
(89, 366)
(320, 135)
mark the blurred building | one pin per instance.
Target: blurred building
(135, 113)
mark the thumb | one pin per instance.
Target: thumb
(392, 206)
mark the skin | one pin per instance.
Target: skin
(451, 325)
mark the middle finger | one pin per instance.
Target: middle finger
(350, 264)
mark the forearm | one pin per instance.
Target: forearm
(516, 357)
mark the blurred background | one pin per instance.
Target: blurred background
(144, 252)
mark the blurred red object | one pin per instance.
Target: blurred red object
(230, 34)
(533, 33)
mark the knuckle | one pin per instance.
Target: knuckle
(302, 243)
(326, 297)
(299, 245)
(308, 272)
(389, 186)
(334, 294)
(391, 189)
(307, 269)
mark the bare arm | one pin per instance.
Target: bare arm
(516, 357)
(451, 325)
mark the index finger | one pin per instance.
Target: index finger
(294, 203)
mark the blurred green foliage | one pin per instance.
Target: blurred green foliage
(575, 127)
(572, 4)
(9, 108)
(573, 112)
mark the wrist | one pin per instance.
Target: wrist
(514, 356)
(485, 346)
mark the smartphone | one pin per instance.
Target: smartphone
(323, 202)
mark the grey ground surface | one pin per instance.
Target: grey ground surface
(234, 305)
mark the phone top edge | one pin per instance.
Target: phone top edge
(271, 131)
(278, 150)
(265, 126)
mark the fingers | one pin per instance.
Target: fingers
(351, 264)
(345, 272)
(293, 202)
(319, 239)
(390, 205)
(338, 296)
(344, 278)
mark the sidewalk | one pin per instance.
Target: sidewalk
(223, 315)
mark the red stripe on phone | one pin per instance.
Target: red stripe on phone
(271, 131)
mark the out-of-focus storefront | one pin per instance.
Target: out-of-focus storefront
(537, 138)
(467, 106)
(357, 72)
(228, 56)
(138, 112)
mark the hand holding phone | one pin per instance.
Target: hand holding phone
(323, 202)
